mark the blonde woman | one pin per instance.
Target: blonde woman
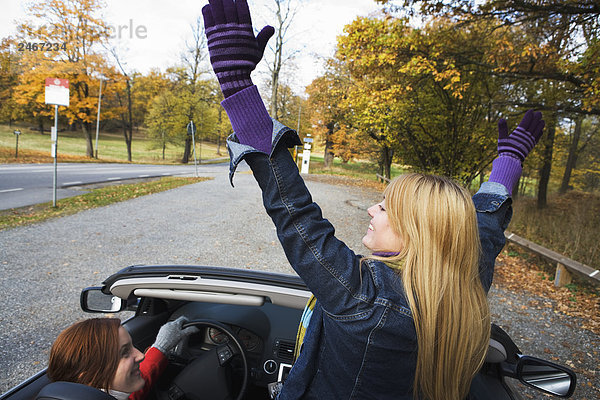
(409, 321)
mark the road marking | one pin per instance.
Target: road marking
(143, 176)
(72, 183)
(166, 173)
(10, 190)
(114, 179)
(593, 274)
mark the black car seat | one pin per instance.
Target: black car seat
(71, 391)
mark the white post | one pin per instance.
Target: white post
(98, 118)
(54, 151)
(306, 154)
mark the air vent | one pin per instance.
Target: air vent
(285, 350)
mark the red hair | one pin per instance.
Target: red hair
(87, 353)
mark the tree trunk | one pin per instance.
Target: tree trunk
(386, 158)
(547, 149)
(187, 150)
(328, 153)
(572, 158)
(87, 133)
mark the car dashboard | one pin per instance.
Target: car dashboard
(268, 334)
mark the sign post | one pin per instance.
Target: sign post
(57, 93)
(98, 117)
(306, 155)
(191, 130)
(17, 133)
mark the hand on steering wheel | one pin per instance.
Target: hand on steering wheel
(206, 377)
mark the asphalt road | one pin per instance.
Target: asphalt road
(44, 266)
(27, 184)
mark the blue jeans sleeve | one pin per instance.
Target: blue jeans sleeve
(494, 211)
(327, 266)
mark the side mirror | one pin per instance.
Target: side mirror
(546, 376)
(93, 300)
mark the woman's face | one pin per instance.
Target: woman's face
(380, 236)
(128, 378)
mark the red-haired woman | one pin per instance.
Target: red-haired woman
(98, 352)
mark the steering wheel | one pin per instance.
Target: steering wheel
(206, 377)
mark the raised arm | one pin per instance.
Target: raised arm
(493, 200)
(328, 267)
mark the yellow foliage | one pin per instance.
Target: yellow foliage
(73, 23)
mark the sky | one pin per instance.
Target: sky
(153, 32)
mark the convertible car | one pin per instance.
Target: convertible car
(247, 322)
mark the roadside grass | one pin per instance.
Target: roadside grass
(26, 156)
(359, 169)
(111, 147)
(96, 198)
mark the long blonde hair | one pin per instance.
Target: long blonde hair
(436, 219)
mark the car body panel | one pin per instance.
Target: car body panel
(262, 308)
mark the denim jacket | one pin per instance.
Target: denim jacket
(361, 341)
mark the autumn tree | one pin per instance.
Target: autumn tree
(10, 69)
(328, 115)
(165, 121)
(415, 95)
(556, 43)
(169, 112)
(146, 88)
(78, 32)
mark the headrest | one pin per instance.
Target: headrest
(71, 391)
(501, 347)
(496, 352)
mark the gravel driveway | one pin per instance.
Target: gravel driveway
(44, 266)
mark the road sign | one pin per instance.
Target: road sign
(57, 91)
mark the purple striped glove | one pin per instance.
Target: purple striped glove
(512, 149)
(522, 140)
(234, 50)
